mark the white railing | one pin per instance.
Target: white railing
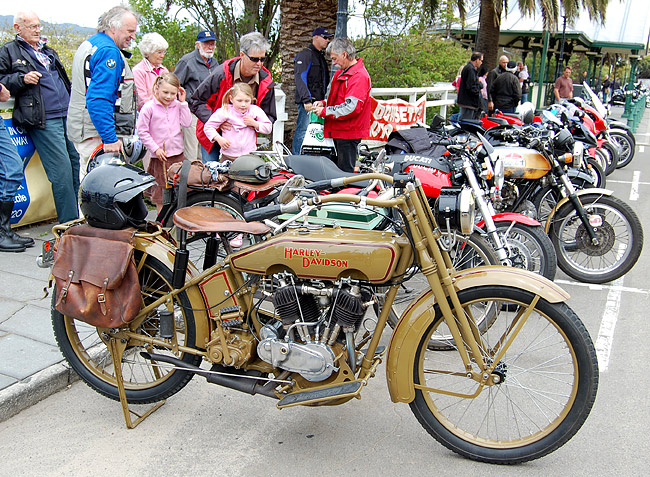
(442, 95)
(439, 94)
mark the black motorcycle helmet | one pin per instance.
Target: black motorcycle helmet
(111, 196)
(250, 168)
(563, 141)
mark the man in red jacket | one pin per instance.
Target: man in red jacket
(347, 108)
(246, 68)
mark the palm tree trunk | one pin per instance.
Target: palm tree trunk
(490, 27)
(298, 19)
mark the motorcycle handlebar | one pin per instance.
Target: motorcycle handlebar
(257, 215)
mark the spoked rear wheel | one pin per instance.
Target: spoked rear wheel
(541, 391)
(145, 382)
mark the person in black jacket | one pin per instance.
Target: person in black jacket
(506, 90)
(34, 75)
(312, 77)
(469, 92)
(492, 75)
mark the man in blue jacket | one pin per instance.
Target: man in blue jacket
(37, 80)
(312, 76)
(102, 103)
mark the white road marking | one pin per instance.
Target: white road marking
(608, 325)
(634, 191)
(641, 148)
(627, 182)
(596, 287)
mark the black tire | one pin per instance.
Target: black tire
(474, 251)
(610, 156)
(627, 144)
(86, 352)
(549, 380)
(530, 248)
(545, 201)
(596, 172)
(601, 158)
(196, 242)
(621, 240)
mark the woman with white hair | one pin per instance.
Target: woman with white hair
(153, 48)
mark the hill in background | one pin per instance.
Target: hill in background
(7, 21)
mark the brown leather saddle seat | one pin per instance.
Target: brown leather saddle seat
(213, 220)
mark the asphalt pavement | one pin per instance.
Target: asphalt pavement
(31, 365)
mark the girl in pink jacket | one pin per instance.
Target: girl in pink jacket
(245, 120)
(159, 128)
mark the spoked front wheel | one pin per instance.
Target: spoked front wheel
(538, 395)
(619, 237)
(529, 248)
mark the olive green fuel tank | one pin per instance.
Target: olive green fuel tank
(523, 163)
(325, 254)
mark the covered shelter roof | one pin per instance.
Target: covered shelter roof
(625, 30)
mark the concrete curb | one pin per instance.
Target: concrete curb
(35, 388)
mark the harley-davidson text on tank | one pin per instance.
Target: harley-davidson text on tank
(324, 254)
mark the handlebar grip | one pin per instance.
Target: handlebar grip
(320, 185)
(262, 213)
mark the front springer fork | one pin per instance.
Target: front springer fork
(580, 210)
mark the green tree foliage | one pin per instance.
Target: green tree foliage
(179, 21)
(179, 32)
(418, 59)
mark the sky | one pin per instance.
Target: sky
(83, 13)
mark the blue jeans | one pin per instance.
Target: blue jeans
(61, 163)
(301, 129)
(11, 166)
(524, 98)
(213, 155)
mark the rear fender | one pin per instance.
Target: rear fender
(420, 314)
(564, 200)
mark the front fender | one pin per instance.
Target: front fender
(165, 252)
(512, 217)
(420, 314)
(578, 174)
(564, 200)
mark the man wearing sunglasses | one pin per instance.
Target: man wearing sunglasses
(249, 68)
(312, 77)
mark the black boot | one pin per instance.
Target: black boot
(7, 242)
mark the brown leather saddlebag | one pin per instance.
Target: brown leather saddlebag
(198, 176)
(95, 275)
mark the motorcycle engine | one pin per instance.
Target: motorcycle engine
(314, 315)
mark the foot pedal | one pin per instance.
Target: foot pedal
(323, 394)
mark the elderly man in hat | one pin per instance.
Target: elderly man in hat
(506, 90)
(312, 76)
(191, 70)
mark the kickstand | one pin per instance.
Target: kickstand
(117, 351)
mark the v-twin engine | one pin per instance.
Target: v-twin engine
(314, 317)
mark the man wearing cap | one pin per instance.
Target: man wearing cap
(245, 68)
(506, 90)
(312, 76)
(191, 70)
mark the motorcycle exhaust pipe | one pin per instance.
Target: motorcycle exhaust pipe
(244, 382)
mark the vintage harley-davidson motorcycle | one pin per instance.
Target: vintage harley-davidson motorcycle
(292, 317)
